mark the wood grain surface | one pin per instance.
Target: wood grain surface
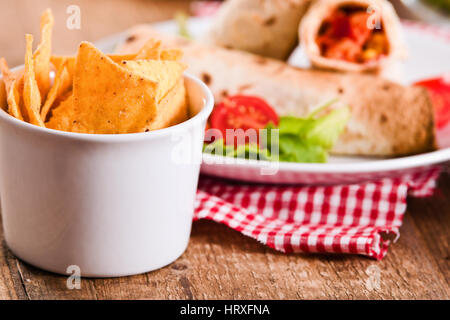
(221, 263)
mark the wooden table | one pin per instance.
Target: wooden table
(219, 262)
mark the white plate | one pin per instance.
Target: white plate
(429, 49)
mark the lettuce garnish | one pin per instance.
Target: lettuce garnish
(305, 139)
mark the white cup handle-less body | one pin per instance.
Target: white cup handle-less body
(112, 205)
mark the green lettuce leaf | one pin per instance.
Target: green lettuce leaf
(294, 149)
(305, 139)
(324, 131)
(247, 151)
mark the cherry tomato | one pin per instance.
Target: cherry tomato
(439, 89)
(242, 112)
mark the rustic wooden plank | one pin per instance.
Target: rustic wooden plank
(11, 281)
(432, 218)
(221, 263)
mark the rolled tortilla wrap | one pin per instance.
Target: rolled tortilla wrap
(265, 27)
(387, 119)
(352, 35)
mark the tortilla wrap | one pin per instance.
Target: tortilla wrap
(265, 27)
(387, 119)
(380, 11)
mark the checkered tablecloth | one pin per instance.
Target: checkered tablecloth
(338, 219)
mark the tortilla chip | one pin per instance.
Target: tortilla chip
(70, 61)
(117, 58)
(41, 56)
(171, 54)
(12, 82)
(7, 81)
(150, 50)
(61, 84)
(8, 76)
(31, 95)
(62, 115)
(165, 73)
(13, 99)
(173, 109)
(3, 94)
(109, 98)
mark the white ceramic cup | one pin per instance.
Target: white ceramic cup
(110, 205)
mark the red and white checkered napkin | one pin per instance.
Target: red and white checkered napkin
(339, 219)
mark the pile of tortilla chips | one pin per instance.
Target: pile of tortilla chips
(94, 92)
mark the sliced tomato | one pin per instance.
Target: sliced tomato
(439, 89)
(242, 112)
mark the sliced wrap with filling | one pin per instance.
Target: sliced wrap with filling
(387, 119)
(352, 35)
(265, 27)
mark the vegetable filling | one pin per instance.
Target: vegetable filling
(346, 35)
